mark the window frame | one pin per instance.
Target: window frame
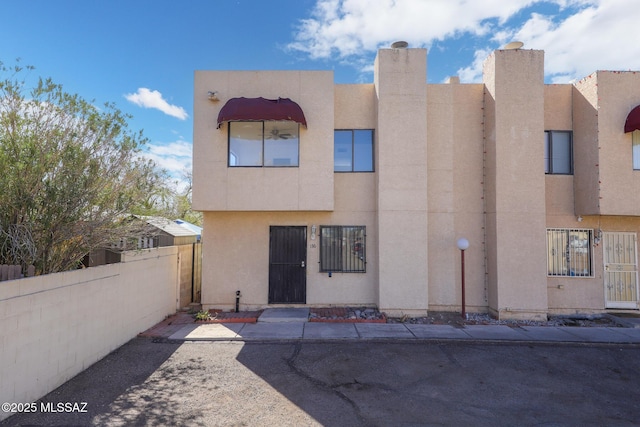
(352, 257)
(548, 167)
(263, 145)
(561, 264)
(635, 150)
(353, 151)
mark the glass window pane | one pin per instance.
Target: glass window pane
(245, 144)
(342, 154)
(636, 149)
(363, 150)
(557, 254)
(354, 257)
(561, 152)
(281, 143)
(579, 253)
(547, 157)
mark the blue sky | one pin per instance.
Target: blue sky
(141, 54)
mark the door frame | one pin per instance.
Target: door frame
(288, 277)
(610, 268)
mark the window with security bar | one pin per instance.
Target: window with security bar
(343, 249)
(569, 252)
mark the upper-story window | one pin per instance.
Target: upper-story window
(264, 143)
(353, 150)
(635, 149)
(558, 152)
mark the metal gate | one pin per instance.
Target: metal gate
(287, 265)
(620, 270)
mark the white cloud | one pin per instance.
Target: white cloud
(174, 157)
(598, 37)
(473, 72)
(584, 36)
(345, 28)
(153, 99)
(173, 149)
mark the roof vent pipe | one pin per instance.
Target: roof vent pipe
(399, 45)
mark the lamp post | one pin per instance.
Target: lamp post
(463, 244)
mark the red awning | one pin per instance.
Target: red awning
(256, 109)
(633, 120)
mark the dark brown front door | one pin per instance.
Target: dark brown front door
(287, 265)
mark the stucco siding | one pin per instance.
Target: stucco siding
(450, 160)
(455, 194)
(307, 187)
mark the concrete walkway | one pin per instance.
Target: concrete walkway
(291, 325)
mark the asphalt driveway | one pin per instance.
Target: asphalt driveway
(351, 384)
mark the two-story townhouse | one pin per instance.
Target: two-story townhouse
(318, 194)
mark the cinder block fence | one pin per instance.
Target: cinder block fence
(55, 326)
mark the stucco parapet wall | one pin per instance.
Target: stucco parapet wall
(605, 181)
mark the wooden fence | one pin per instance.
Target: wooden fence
(12, 272)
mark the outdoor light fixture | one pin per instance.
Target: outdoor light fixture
(463, 244)
(313, 232)
(213, 95)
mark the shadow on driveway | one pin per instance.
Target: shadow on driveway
(122, 371)
(349, 383)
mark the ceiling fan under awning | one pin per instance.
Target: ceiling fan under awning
(276, 134)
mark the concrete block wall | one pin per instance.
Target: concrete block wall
(55, 326)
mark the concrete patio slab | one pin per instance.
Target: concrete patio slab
(632, 333)
(493, 332)
(208, 331)
(266, 330)
(383, 330)
(183, 332)
(609, 335)
(322, 330)
(436, 331)
(279, 315)
(546, 333)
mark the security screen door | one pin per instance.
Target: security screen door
(287, 265)
(620, 253)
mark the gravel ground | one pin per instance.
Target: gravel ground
(455, 319)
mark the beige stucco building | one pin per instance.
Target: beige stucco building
(356, 194)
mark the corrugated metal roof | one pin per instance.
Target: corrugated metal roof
(168, 226)
(195, 228)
